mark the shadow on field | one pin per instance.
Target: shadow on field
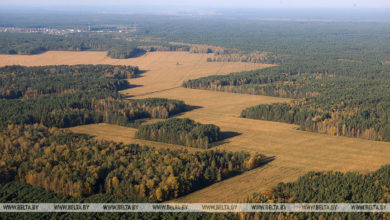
(229, 134)
(224, 136)
(187, 109)
(134, 86)
(141, 73)
(191, 108)
(265, 160)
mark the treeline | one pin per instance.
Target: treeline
(314, 187)
(239, 56)
(344, 99)
(291, 42)
(65, 96)
(291, 81)
(328, 187)
(118, 46)
(16, 192)
(180, 131)
(78, 165)
(82, 108)
(21, 43)
(343, 107)
(28, 82)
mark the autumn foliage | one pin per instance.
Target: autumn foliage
(78, 165)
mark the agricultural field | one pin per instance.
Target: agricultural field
(156, 66)
(291, 152)
(209, 105)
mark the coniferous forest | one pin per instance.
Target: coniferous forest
(65, 96)
(328, 187)
(117, 47)
(346, 99)
(180, 131)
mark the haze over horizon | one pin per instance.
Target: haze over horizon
(205, 3)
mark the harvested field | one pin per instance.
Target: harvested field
(164, 70)
(294, 152)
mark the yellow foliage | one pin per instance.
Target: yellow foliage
(159, 195)
(333, 131)
(115, 182)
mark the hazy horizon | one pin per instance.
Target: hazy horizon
(208, 4)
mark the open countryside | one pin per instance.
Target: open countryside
(293, 152)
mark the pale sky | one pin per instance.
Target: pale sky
(211, 3)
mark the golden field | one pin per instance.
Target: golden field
(295, 152)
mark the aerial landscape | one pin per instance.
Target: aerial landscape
(194, 103)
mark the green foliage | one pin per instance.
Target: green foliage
(330, 187)
(344, 99)
(180, 131)
(27, 82)
(118, 46)
(16, 43)
(85, 108)
(16, 192)
(65, 96)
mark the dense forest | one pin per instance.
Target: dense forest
(85, 108)
(336, 72)
(29, 82)
(180, 131)
(65, 96)
(346, 99)
(329, 187)
(79, 166)
(16, 192)
(283, 41)
(118, 46)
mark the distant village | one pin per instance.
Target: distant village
(53, 31)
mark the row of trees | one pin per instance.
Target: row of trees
(79, 165)
(253, 57)
(180, 131)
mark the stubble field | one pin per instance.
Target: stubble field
(293, 152)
